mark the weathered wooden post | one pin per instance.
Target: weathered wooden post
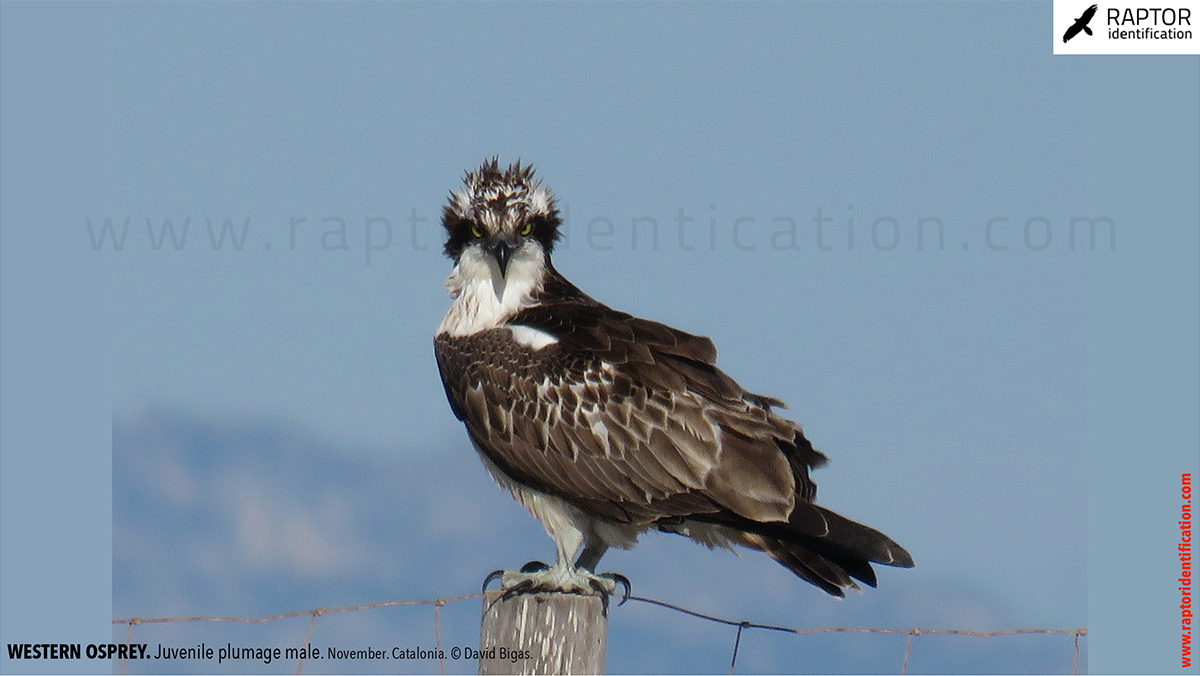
(549, 633)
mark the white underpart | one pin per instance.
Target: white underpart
(535, 338)
(483, 299)
(710, 535)
(569, 527)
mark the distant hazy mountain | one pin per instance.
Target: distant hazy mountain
(220, 518)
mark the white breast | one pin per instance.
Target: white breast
(485, 300)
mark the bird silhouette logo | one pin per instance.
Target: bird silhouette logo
(1081, 24)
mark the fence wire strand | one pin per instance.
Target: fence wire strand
(908, 651)
(744, 624)
(740, 625)
(437, 635)
(312, 622)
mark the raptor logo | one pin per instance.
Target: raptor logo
(1081, 24)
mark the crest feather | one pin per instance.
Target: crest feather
(493, 199)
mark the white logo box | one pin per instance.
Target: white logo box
(1127, 27)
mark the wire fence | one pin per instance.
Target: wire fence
(740, 625)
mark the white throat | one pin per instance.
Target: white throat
(485, 300)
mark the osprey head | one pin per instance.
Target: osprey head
(501, 214)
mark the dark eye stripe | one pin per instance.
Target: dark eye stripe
(462, 230)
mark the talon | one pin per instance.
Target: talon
(620, 579)
(536, 577)
(522, 587)
(494, 575)
(602, 593)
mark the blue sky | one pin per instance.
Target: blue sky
(942, 382)
(867, 206)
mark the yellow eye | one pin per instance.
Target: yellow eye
(527, 229)
(476, 231)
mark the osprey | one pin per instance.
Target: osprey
(605, 425)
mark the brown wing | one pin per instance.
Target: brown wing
(626, 418)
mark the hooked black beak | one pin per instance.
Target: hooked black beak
(501, 250)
